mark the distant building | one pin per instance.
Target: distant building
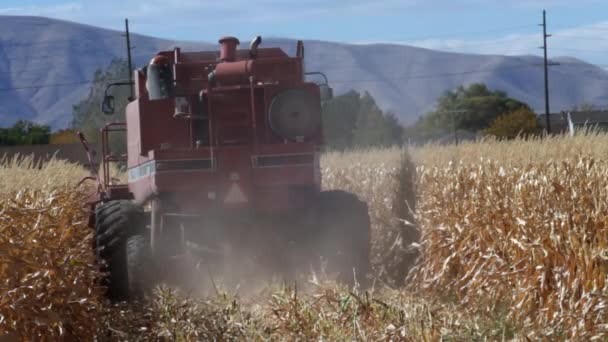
(568, 122)
(444, 137)
(558, 122)
(587, 120)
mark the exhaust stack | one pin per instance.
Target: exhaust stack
(228, 49)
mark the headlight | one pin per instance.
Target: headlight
(295, 114)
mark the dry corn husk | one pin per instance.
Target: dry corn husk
(532, 239)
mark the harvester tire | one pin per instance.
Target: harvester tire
(120, 247)
(345, 236)
(138, 264)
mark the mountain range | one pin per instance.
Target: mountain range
(46, 66)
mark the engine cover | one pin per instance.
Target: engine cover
(295, 114)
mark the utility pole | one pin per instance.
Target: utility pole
(454, 128)
(127, 35)
(545, 36)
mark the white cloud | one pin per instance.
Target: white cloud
(198, 13)
(201, 11)
(207, 10)
(156, 16)
(557, 3)
(538, 4)
(188, 15)
(507, 45)
(192, 12)
(585, 42)
(57, 11)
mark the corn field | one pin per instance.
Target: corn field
(481, 241)
(531, 240)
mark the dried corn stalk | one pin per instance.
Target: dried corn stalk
(48, 276)
(532, 238)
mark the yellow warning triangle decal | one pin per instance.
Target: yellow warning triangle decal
(235, 195)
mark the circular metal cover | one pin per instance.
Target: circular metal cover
(295, 114)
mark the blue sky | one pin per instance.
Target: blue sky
(580, 27)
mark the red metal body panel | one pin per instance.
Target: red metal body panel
(265, 187)
(222, 154)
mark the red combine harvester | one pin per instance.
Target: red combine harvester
(223, 150)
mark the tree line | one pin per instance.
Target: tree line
(351, 120)
(478, 110)
(354, 120)
(25, 133)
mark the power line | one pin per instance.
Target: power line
(50, 85)
(402, 77)
(579, 37)
(447, 74)
(25, 71)
(341, 66)
(55, 57)
(33, 77)
(342, 81)
(3, 44)
(454, 34)
(584, 64)
(463, 44)
(579, 27)
(581, 50)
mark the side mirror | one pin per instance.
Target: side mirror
(159, 82)
(107, 106)
(327, 93)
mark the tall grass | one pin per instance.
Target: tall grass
(22, 172)
(509, 228)
(49, 287)
(529, 240)
(512, 245)
(385, 180)
(517, 152)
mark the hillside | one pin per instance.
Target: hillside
(36, 52)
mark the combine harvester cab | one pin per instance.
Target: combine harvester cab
(223, 150)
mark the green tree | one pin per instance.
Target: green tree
(521, 122)
(473, 109)
(339, 120)
(374, 127)
(394, 128)
(25, 133)
(355, 120)
(87, 116)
